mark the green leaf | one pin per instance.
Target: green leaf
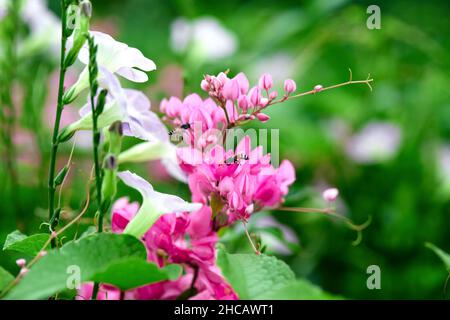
(300, 289)
(445, 257)
(91, 255)
(262, 277)
(134, 272)
(253, 275)
(13, 237)
(28, 245)
(5, 278)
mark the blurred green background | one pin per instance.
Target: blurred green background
(388, 151)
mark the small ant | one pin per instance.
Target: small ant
(184, 126)
(237, 158)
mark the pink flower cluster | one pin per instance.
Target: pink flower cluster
(231, 103)
(166, 242)
(238, 182)
(230, 184)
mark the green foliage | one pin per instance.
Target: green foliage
(444, 256)
(29, 245)
(103, 257)
(134, 272)
(256, 277)
(5, 278)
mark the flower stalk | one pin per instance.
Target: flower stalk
(59, 108)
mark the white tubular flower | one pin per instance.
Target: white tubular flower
(154, 204)
(116, 57)
(155, 150)
(131, 107)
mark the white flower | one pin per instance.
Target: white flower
(155, 150)
(206, 37)
(154, 204)
(376, 142)
(131, 107)
(114, 56)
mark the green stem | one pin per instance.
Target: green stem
(59, 109)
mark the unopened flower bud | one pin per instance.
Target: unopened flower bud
(23, 271)
(264, 102)
(265, 81)
(289, 86)
(110, 162)
(262, 117)
(255, 96)
(222, 77)
(42, 253)
(116, 128)
(230, 90)
(243, 103)
(204, 85)
(330, 195)
(86, 8)
(318, 88)
(21, 262)
(273, 95)
(250, 209)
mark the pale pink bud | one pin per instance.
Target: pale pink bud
(222, 77)
(21, 262)
(255, 96)
(230, 90)
(204, 85)
(264, 102)
(330, 195)
(262, 117)
(273, 95)
(289, 86)
(318, 88)
(265, 81)
(53, 234)
(42, 253)
(243, 103)
(243, 82)
(23, 271)
(250, 209)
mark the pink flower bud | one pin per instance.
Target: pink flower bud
(265, 81)
(204, 85)
(23, 271)
(21, 262)
(262, 117)
(222, 77)
(330, 195)
(230, 90)
(318, 88)
(250, 209)
(273, 95)
(289, 86)
(255, 96)
(264, 102)
(42, 253)
(243, 103)
(243, 82)
(53, 234)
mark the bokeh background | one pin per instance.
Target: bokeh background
(388, 151)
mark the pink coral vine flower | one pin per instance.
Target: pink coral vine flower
(187, 239)
(242, 181)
